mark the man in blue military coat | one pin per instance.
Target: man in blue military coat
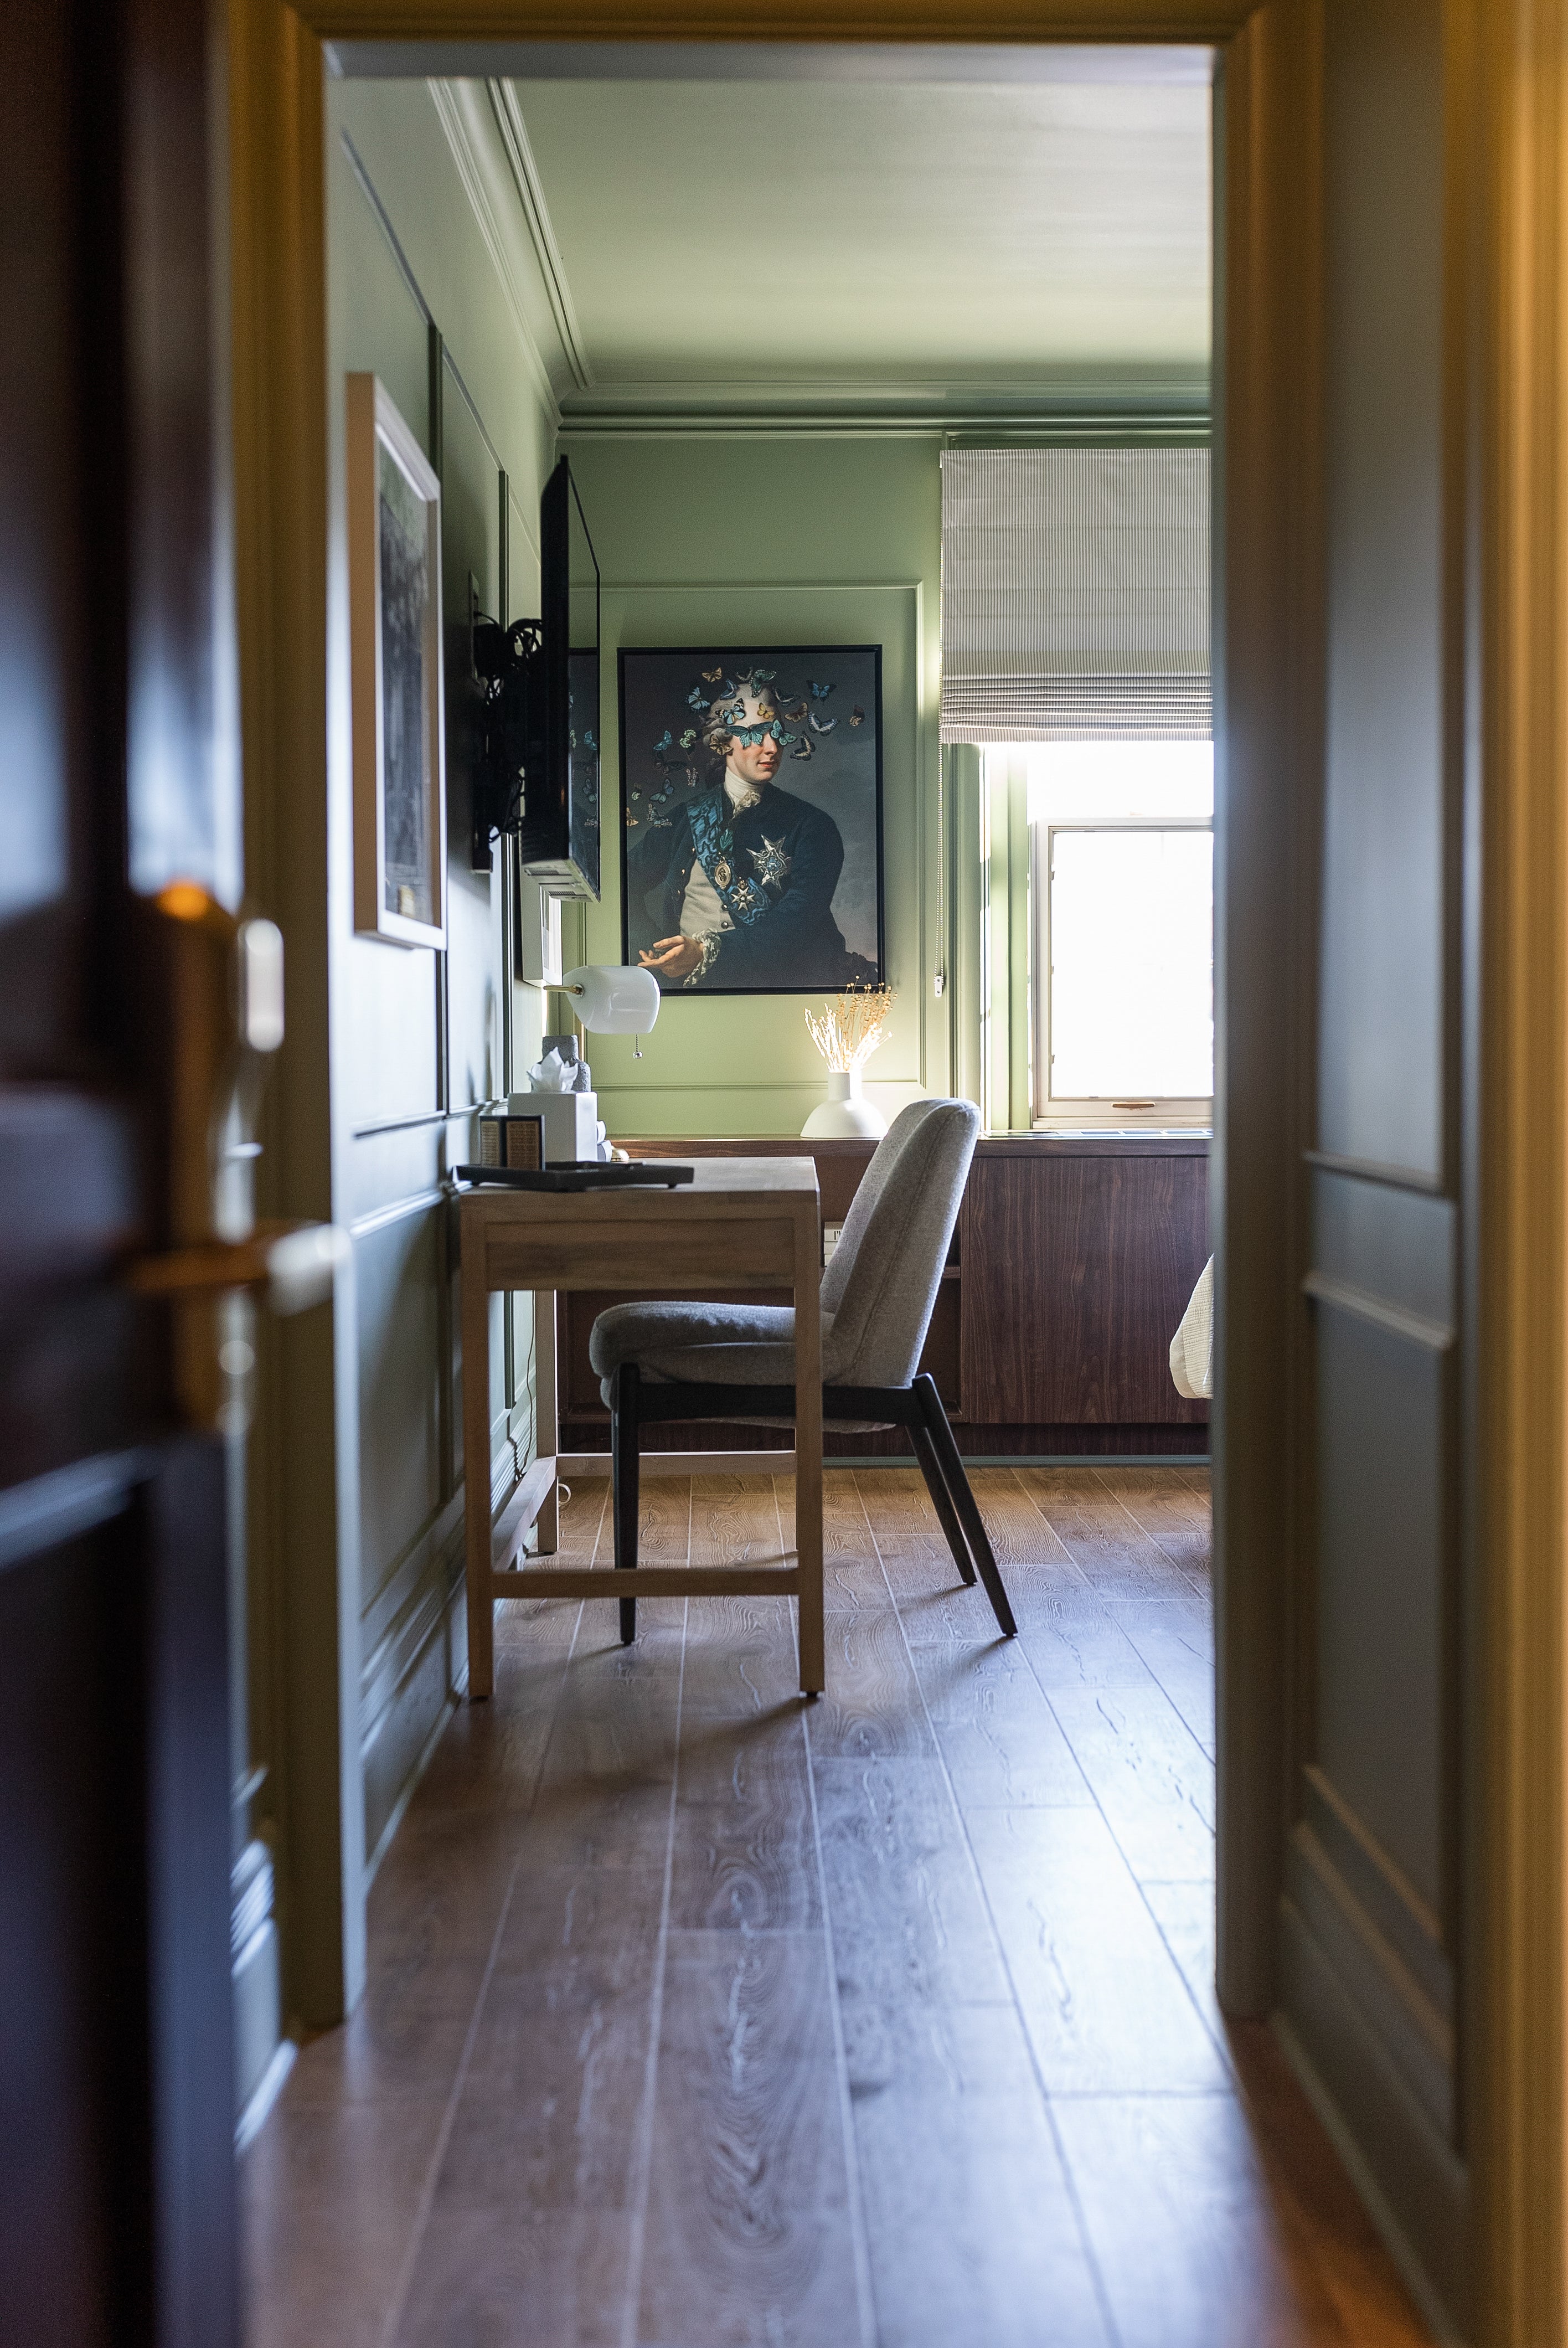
(745, 871)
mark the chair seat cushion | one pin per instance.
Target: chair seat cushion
(718, 1345)
(709, 1344)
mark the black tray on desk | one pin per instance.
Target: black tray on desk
(579, 1174)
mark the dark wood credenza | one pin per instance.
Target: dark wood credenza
(1072, 1264)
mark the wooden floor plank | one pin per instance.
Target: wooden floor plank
(1106, 1545)
(1175, 1518)
(910, 1922)
(749, 2235)
(518, 1918)
(1152, 1779)
(556, 2276)
(1104, 2005)
(898, 1511)
(872, 1709)
(1188, 2240)
(1077, 1645)
(1002, 1744)
(1020, 1534)
(582, 1520)
(1174, 1639)
(329, 2201)
(973, 2234)
(746, 1862)
(1184, 1913)
(741, 1657)
(548, 2115)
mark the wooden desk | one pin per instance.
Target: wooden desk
(744, 1222)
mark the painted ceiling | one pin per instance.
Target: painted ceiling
(728, 233)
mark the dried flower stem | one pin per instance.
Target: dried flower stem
(850, 1029)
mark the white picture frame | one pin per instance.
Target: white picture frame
(396, 671)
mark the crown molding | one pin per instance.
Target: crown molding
(530, 190)
(470, 126)
(1164, 406)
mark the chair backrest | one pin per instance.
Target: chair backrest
(881, 1281)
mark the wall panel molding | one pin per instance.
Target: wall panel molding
(1323, 1289)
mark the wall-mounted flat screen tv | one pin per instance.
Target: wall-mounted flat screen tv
(538, 780)
(559, 835)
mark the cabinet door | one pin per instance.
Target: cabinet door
(1076, 1272)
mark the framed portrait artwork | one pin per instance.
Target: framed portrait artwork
(395, 625)
(751, 806)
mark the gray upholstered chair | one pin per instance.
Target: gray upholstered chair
(736, 1362)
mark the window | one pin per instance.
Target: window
(1121, 931)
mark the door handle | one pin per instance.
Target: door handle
(217, 987)
(292, 1264)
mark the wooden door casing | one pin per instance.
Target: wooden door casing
(1503, 224)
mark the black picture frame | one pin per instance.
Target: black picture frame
(842, 777)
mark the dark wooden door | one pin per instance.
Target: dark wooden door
(1371, 1944)
(115, 2098)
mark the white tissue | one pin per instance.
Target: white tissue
(554, 1074)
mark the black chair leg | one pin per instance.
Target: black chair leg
(623, 1498)
(942, 1501)
(968, 1514)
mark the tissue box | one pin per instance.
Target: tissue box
(572, 1123)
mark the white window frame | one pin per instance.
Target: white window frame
(1102, 1114)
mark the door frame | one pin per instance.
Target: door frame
(1507, 240)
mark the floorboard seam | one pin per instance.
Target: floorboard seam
(1149, 1534)
(1110, 1824)
(859, 2235)
(1103, 2297)
(449, 2116)
(642, 2171)
(865, 2289)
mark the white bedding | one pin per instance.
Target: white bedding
(1192, 1346)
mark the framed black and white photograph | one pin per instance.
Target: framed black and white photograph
(395, 627)
(751, 804)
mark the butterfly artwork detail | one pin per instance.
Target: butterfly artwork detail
(857, 716)
(819, 726)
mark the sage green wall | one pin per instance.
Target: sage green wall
(739, 540)
(414, 1040)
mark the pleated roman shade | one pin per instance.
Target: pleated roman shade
(1075, 594)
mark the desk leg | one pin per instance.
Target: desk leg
(547, 1412)
(476, 1472)
(808, 1446)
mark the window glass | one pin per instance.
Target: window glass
(1071, 780)
(1128, 936)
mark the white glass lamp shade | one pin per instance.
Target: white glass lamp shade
(613, 1001)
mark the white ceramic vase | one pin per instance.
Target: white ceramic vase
(845, 1111)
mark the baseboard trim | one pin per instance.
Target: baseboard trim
(1395, 2240)
(426, 1753)
(1420, 2183)
(586, 1465)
